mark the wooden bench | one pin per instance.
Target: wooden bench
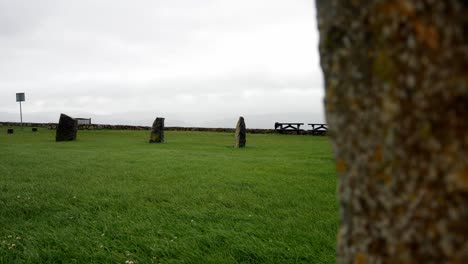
(285, 127)
(319, 129)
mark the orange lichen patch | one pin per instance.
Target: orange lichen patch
(406, 7)
(387, 179)
(401, 8)
(360, 258)
(462, 256)
(400, 210)
(426, 34)
(460, 179)
(341, 166)
(354, 104)
(432, 230)
(378, 154)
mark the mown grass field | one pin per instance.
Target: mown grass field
(111, 197)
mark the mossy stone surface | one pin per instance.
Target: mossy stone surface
(396, 104)
(157, 131)
(241, 133)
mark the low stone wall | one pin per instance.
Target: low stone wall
(24, 124)
(53, 126)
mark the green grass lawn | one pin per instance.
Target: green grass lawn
(110, 197)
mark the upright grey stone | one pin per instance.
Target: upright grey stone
(66, 129)
(397, 105)
(157, 132)
(240, 133)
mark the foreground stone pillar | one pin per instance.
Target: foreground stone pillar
(396, 75)
(241, 133)
(157, 131)
(67, 128)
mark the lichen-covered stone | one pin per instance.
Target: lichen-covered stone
(241, 133)
(397, 106)
(157, 131)
(67, 128)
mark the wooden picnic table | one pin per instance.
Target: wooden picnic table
(319, 128)
(283, 127)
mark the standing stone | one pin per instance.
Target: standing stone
(10, 131)
(240, 133)
(397, 102)
(67, 128)
(157, 132)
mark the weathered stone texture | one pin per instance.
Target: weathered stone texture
(66, 129)
(396, 76)
(157, 131)
(241, 133)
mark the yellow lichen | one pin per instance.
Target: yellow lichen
(341, 166)
(335, 67)
(390, 107)
(356, 2)
(425, 130)
(360, 258)
(330, 94)
(383, 66)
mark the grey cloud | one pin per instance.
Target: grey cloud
(22, 16)
(124, 56)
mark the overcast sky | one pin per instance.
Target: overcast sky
(195, 62)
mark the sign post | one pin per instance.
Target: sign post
(20, 98)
